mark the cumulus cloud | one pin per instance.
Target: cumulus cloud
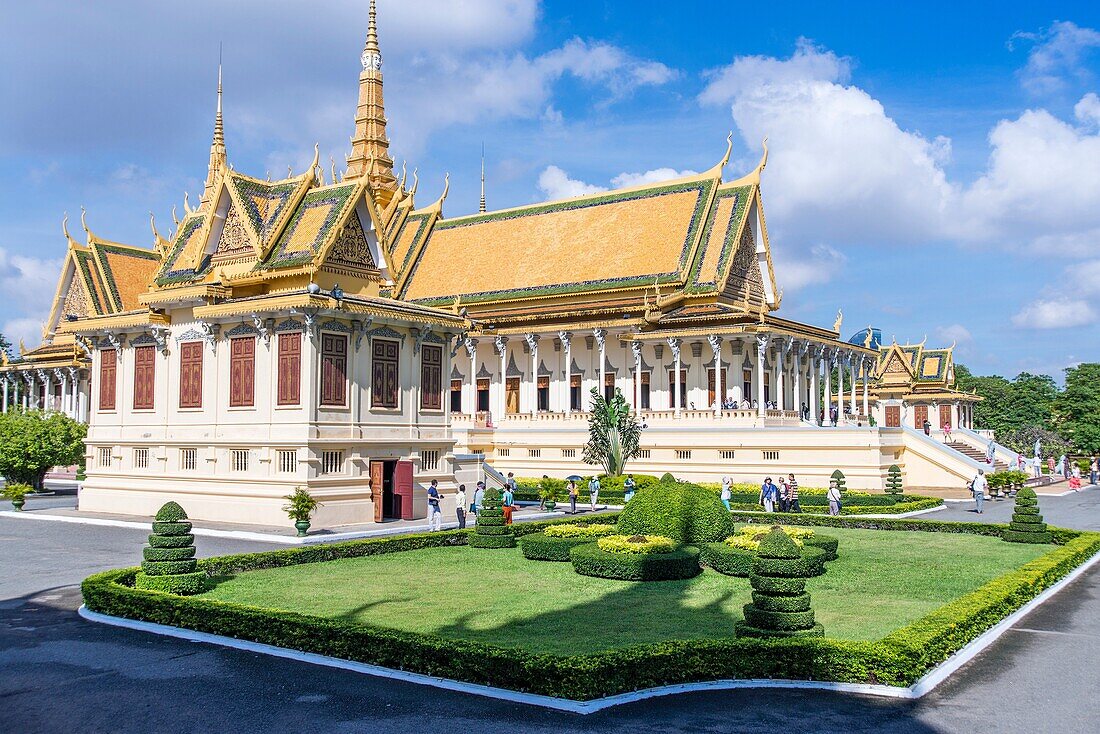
(954, 333)
(29, 284)
(626, 180)
(1057, 56)
(820, 265)
(554, 183)
(1058, 313)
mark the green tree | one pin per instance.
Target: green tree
(613, 433)
(1009, 405)
(5, 345)
(34, 441)
(1023, 440)
(1077, 408)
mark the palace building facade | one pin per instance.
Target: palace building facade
(335, 335)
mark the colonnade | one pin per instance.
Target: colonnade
(34, 390)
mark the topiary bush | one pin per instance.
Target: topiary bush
(589, 560)
(726, 559)
(841, 483)
(1027, 524)
(667, 478)
(893, 482)
(827, 543)
(490, 531)
(169, 564)
(780, 605)
(685, 512)
(543, 547)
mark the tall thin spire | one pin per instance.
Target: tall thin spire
(370, 145)
(217, 146)
(481, 207)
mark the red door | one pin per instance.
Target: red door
(945, 415)
(403, 490)
(377, 490)
(920, 415)
(893, 416)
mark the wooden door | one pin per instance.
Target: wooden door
(893, 416)
(945, 415)
(377, 488)
(711, 394)
(920, 415)
(403, 490)
(511, 395)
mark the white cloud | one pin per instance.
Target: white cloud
(556, 184)
(1087, 110)
(1058, 57)
(28, 284)
(1061, 313)
(626, 180)
(954, 333)
(820, 266)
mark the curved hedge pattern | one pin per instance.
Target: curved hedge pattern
(589, 560)
(726, 560)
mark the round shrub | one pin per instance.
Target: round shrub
(168, 554)
(1027, 524)
(726, 560)
(637, 544)
(589, 560)
(171, 541)
(542, 547)
(570, 530)
(183, 584)
(491, 541)
(685, 512)
(171, 528)
(168, 568)
(779, 582)
(667, 478)
(170, 512)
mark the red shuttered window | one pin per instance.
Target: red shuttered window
(290, 368)
(242, 372)
(108, 370)
(191, 375)
(384, 387)
(145, 366)
(431, 377)
(334, 369)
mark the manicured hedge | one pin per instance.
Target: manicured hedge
(492, 541)
(865, 505)
(827, 543)
(684, 512)
(589, 560)
(171, 541)
(726, 560)
(899, 659)
(541, 547)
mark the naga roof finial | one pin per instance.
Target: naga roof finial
(84, 223)
(65, 228)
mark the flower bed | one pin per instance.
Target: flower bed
(637, 544)
(571, 530)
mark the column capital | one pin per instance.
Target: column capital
(715, 344)
(674, 344)
(532, 341)
(762, 342)
(636, 348)
(565, 337)
(470, 345)
(601, 336)
(501, 343)
(59, 374)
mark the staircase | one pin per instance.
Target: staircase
(975, 454)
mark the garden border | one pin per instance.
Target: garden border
(906, 656)
(922, 687)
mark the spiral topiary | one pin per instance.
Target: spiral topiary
(1027, 524)
(780, 605)
(170, 564)
(490, 531)
(893, 482)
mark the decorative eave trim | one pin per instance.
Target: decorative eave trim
(200, 292)
(130, 320)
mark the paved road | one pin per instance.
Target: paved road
(61, 674)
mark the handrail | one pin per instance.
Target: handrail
(996, 446)
(972, 463)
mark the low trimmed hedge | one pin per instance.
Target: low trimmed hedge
(1060, 536)
(899, 659)
(542, 547)
(492, 541)
(589, 560)
(171, 541)
(908, 503)
(739, 562)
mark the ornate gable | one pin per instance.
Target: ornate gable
(351, 248)
(234, 240)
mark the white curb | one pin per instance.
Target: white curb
(919, 689)
(886, 516)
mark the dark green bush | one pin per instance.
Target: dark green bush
(539, 547)
(171, 541)
(667, 478)
(183, 584)
(769, 602)
(1027, 524)
(727, 560)
(170, 512)
(893, 481)
(490, 531)
(168, 568)
(827, 543)
(492, 541)
(494, 530)
(684, 512)
(778, 562)
(589, 560)
(168, 554)
(171, 528)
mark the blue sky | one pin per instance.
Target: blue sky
(934, 169)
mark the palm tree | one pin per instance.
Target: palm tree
(612, 433)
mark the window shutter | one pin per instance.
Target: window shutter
(290, 368)
(334, 351)
(431, 377)
(144, 377)
(384, 373)
(108, 369)
(191, 375)
(242, 371)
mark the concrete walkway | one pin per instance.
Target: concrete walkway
(58, 672)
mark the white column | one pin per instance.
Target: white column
(636, 348)
(761, 351)
(502, 397)
(840, 360)
(828, 362)
(781, 373)
(5, 385)
(601, 341)
(852, 382)
(566, 344)
(815, 375)
(674, 345)
(799, 350)
(866, 363)
(719, 394)
(471, 350)
(27, 396)
(533, 384)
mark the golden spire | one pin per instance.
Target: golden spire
(370, 145)
(217, 146)
(481, 207)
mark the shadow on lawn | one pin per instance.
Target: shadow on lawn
(640, 613)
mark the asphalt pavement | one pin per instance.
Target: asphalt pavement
(59, 673)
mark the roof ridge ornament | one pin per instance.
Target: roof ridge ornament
(753, 177)
(65, 230)
(84, 223)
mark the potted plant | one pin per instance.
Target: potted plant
(550, 492)
(300, 506)
(17, 493)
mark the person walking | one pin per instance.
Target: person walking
(542, 488)
(781, 493)
(977, 486)
(460, 506)
(792, 483)
(727, 492)
(479, 498)
(946, 428)
(767, 495)
(508, 499)
(573, 493)
(435, 515)
(510, 483)
(833, 495)
(593, 492)
(1094, 470)
(629, 487)
(1051, 468)
(927, 427)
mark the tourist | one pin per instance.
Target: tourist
(792, 483)
(727, 492)
(805, 412)
(573, 493)
(542, 487)
(629, 487)
(460, 506)
(510, 483)
(833, 495)
(782, 494)
(508, 499)
(435, 516)
(946, 428)
(479, 498)
(767, 495)
(927, 427)
(1094, 470)
(1050, 465)
(977, 486)
(593, 492)
(1037, 467)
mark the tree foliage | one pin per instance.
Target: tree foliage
(1076, 410)
(32, 442)
(1022, 441)
(5, 345)
(613, 433)
(1010, 405)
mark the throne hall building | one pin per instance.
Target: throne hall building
(341, 336)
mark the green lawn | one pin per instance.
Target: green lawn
(883, 580)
